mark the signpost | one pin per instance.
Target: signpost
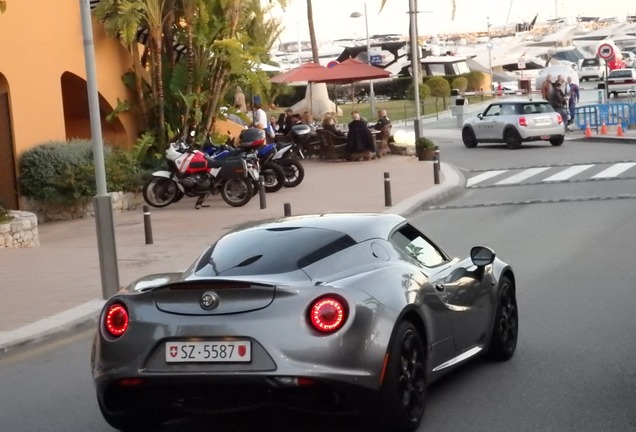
(606, 52)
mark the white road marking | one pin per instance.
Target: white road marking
(568, 173)
(615, 170)
(483, 177)
(523, 175)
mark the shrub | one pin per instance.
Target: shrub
(5, 216)
(475, 80)
(424, 90)
(460, 83)
(64, 172)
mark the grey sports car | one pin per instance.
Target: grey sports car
(336, 313)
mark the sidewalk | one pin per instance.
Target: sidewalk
(55, 288)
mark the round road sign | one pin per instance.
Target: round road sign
(605, 51)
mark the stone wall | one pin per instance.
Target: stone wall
(21, 232)
(122, 201)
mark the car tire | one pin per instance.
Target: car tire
(403, 393)
(503, 341)
(469, 138)
(512, 139)
(557, 141)
(134, 421)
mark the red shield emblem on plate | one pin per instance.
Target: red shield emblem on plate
(242, 349)
(173, 351)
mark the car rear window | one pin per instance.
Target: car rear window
(591, 62)
(537, 108)
(625, 73)
(270, 251)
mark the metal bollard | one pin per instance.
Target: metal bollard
(387, 190)
(436, 167)
(287, 208)
(261, 192)
(147, 225)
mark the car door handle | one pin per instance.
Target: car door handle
(440, 287)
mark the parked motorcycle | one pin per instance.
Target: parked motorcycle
(294, 170)
(252, 141)
(192, 173)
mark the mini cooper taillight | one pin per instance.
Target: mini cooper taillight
(523, 121)
(116, 319)
(328, 314)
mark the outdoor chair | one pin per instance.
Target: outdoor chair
(332, 146)
(382, 140)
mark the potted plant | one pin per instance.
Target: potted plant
(425, 149)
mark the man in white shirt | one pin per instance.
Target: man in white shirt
(260, 117)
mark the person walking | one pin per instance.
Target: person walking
(573, 99)
(546, 87)
(557, 101)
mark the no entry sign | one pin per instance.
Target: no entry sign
(605, 51)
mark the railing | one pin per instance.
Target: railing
(595, 115)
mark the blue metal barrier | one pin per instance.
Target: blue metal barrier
(595, 114)
(587, 115)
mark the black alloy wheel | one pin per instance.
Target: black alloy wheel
(506, 328)
(469, 138)
(294, 172)
(404, 388)
(273, 177)
(512, 139)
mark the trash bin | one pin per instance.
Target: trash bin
(460, 101)
(525, 86)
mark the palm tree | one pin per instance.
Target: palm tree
(312, 32)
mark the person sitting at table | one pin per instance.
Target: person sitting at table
(308, 119)
(383, 120)
(359, 138)
(286, 121)
(329, 123)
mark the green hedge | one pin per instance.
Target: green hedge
(63, 172)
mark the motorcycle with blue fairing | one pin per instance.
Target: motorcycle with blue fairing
(272, 158)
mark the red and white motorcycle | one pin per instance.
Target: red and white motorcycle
(193, 173)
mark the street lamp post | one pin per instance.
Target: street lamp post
(366, 25)
(489, 46)
(415, 67)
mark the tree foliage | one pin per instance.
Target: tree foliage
(439, 87)
(180, 90)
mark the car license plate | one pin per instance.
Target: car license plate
(542, 122)
(208, 352)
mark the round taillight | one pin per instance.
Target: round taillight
(328, 314)
(116, 319)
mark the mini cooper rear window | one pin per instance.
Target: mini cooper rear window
(270, 251)
(591, 62)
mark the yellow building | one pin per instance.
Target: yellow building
(43, 94)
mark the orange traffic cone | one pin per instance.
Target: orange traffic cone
(619, 131)
(588, 131)
(603, 128)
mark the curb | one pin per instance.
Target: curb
(85, 316)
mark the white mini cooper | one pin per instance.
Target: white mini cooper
(514, 122)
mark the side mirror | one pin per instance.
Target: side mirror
(482, 256)
(480, 116)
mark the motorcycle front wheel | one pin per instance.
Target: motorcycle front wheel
(237, 191)
(294, 171)
(273, 177)
(160, 192)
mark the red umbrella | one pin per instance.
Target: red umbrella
(352, 70)
(310, 72)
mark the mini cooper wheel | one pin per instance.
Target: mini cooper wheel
(469, 138)
(506, 328)
(161, 192)
(512, 139)
(404, 388)
(557, 141)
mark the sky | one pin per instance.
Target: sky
(332, 17)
